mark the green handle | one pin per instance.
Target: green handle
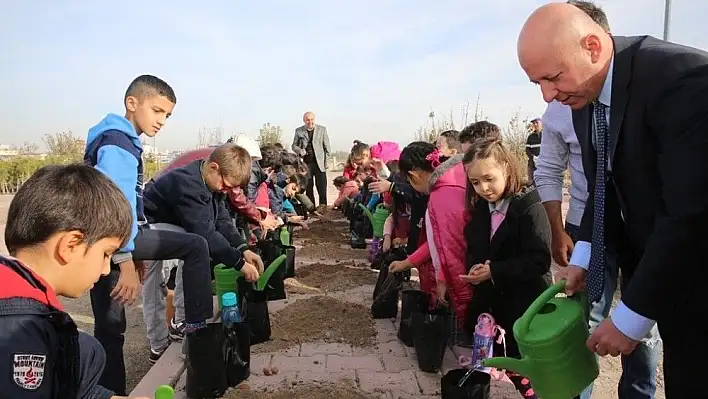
(164, 392)
(525, 320)
(367, 212)
(262, 281)
(557, 288)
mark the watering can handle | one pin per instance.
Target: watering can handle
(260, 284)
(366, 210)
(557, 288)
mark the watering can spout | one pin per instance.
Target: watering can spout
(520, 366)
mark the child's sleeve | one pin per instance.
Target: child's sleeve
(434, 254)
(122, 167)
(420, 256)
(388, 225)
(535, 258)
(340, 198)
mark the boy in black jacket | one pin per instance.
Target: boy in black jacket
(63, 225)
(193, 197)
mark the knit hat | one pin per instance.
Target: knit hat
(249, 145)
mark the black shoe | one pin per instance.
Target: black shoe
(155, 355)
(176, 331)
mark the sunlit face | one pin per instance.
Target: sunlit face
(82, 265)
(291, 189)
(419, 180)
(444, 148)
(569, 75)
(309, 120)
(363, 160)
(215, 180)
(536, 126)
(151, 113)
(488, 178)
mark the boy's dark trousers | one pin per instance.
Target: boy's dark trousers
(109, 315)
(316, 177)
(92, 357)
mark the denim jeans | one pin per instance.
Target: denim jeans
(109, 314)
(638, 379)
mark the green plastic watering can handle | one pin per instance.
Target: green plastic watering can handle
(367, 212)
(262, 281)
(164, 392)
(557, 288)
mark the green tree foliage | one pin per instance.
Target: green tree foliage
(270, 134)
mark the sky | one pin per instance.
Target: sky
(370, 70)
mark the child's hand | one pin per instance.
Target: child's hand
(295, 219)
(128, 287)
(250, 272)
(399, 242)
(479, 273)
(254, 259)
(441, 291)
(381, 186)
(399, 266)
(386, 243)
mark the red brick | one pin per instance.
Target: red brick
(287, 363)
(395, 364)
(336, 363)
(403, 382)
(323, 348)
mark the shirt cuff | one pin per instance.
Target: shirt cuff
(121, 257)
(548, 192)
(581, 255)
(630, 323)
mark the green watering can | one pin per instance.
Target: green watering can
(226, 277)
(378, 218)
(164, 392)
(285, 237)
(551, 336)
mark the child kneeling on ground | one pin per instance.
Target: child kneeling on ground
(63, 225)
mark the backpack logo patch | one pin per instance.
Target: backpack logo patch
(28, 370)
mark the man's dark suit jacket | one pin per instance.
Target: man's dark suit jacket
(659, 176)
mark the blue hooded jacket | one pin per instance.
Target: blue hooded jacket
(114, 148)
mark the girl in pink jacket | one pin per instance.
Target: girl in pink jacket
(445, 181)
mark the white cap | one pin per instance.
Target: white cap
(249, 145)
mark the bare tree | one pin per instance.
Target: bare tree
(28, 148)
(270, 134)
(515, 136)
(65, 145)
(478, 114)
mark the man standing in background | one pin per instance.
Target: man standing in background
(533, 145)
(311, 142)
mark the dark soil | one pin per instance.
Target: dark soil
(332, 250)
(340, 390)
(324, 230)
(319, 277)
(317, 319)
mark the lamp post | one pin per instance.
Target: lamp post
(667, 18)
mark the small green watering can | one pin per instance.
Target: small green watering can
(164, 392)
(551, 336)
(285, 237)
(378, 218)
(226, 277)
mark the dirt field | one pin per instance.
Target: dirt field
(136, 349)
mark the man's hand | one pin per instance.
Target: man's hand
(128, 287)
(562, 246)
(380, 186)
(250, 272)
(399, 266)
(607, 339)
(574, 277)
(253, 258)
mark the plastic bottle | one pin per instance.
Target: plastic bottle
(230, 313)
(484, 333)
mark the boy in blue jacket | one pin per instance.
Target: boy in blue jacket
(113, 147)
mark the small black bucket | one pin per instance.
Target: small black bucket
(477, 385)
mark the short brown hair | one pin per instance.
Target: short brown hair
(288, 170)
(62, 198)
(494, 148)
(479, 130)
(234, 162)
